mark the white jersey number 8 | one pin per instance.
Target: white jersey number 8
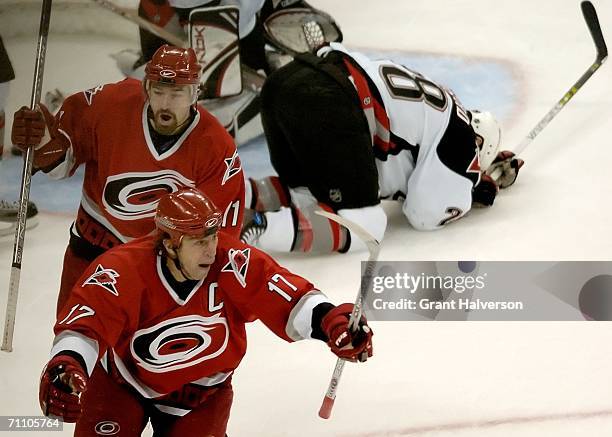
(409, 85)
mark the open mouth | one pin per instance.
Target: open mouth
(165, 117)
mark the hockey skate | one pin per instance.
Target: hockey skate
(255, 224)
(8, 217)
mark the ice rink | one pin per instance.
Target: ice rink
(464, 379)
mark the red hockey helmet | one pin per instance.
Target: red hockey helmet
(186, 212)
(174, 65)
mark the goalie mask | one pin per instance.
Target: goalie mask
(488, 136)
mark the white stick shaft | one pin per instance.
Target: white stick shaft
(374, 249)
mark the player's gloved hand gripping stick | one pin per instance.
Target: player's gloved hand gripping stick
(590, 16)
(26, 179)
(374, 248)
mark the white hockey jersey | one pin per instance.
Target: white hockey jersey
(412, 121)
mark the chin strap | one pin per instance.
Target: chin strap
(178, 266)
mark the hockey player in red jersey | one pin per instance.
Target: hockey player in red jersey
(345, 132)
(138, 141)
(236, 41)
(154, 328)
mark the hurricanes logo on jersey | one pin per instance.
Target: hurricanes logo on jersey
(180, 342)
(91, 92)
(134, 195)
(105, 278)
(233, 167)
(238, 264)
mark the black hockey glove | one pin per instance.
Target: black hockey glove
(484, 193)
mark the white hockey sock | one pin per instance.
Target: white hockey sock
(280, 231)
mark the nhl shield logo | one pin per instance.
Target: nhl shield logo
(105, 278)
(238, 264)
(335, 195)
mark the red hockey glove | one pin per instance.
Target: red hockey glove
(29, 128)
(484, 193)
(509, 167)
(61, 384)
(352, 346)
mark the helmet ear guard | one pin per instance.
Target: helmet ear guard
(488, 136)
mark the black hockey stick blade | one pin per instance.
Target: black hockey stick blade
(590, 16)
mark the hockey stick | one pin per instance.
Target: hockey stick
(26, 180)
(590, 16)
(374, 248)
(250, 76)
(141, 22)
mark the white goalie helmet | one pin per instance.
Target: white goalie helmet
(488, 136)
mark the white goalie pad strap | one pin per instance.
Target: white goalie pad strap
(299, 325)
(213, 34)
(372, 218)
(74, 341)
(300, 30)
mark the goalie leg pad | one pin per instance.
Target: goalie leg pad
(213, 34)
(240, 115)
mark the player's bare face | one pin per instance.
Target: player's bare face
(196, 255)
(170, 105)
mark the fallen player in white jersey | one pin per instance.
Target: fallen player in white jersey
(363, 131)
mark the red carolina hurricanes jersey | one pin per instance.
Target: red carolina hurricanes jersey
(125, 175)
(123, 306)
